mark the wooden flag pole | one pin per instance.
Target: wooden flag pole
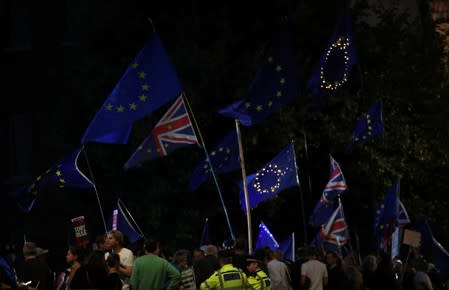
(245, 188)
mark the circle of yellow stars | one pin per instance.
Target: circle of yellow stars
(341, 44)
(271, 168)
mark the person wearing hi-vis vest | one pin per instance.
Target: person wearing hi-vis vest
(257, 279)
(227, 277)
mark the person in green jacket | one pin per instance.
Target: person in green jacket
(151, 272)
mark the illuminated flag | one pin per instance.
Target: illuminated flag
(336, 185)
(336, 62)
(278, 174)
(274, 85)
(149, 82)
(173, 131)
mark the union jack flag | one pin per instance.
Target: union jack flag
(336, 229)
(173, 131)
(336, 185)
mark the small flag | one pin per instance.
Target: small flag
(79, 226)
(274, 85)
(173, 131)
(120, 221)
(335, 233)
(369, 126)
(149, 82)
(334, 67)
(223, 158)
(277, 175)
(386, 217)
(335, 186)
(287, 248)
(265, 238)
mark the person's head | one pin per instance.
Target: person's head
(180, 259)
(332, 258)
(29, 250)
(100, 241)
(253, 264)
(369, 263)
(74, 254)
(225, 257)
(198, 254)
(312, 253)
(113, 261)
(115, 239)
(152, 246)
(41, 253)
(354, 276)
(211, 250)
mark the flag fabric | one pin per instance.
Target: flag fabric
(334, 233)
(433, 250)
(278, 174)
(149, 82)
(265, 238)
(223, 158)
(369, 125)
(335, 186)
(287, 247)
(336, 62)
(64, 173)
(274, 85)
(120, 221)
(205, 237)
(173, 131)
(386, 217)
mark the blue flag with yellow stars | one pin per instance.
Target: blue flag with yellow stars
(149, 82)
(369, 126)
(278, 174)
(274, 85)
(223, 158)
(386, 217)
(266, 238)
(65, 173)
(336, 62)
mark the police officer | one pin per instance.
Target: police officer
(257, 278)
(227, 277)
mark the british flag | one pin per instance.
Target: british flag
(336, 230)
(174, 130)
(336, 185)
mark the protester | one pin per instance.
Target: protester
(77, 278)
(227, 277)
(112, 281)
(34, 269)
(152, 272)
(336, 276)
(180, 261)
(115, 241)
(207, 266)
(278, 271)
(7, 274)
(315, 270)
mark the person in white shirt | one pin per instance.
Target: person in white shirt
(278, 271)
(315, 270)
(114, 241)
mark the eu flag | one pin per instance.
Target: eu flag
(173, 131)
(336, 62)
(287, 247)
(336, 185)
(278, 174)
(274, 85)
(265, 238)
(120, 221)
(64, 173)
(369, 125)
(149, 82)
(223, 158)
(386, 217)
(433, 250)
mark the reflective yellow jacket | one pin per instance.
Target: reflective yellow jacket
(259, 281)
(227, 277)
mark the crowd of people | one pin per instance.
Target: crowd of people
(109, 265)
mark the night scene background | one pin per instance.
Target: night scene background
(61, 60)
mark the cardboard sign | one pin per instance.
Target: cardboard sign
(412, 238)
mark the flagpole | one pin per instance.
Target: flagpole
(129, 214)
(245, 188)
(95, 188)
(301, 195)
(211, 166)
